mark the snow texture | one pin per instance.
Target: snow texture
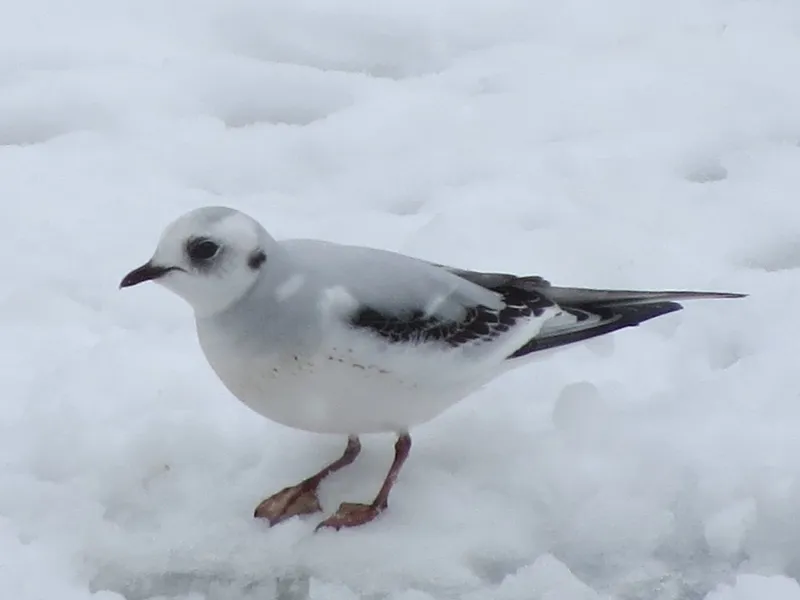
(613, 144)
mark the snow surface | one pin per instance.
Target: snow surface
(617, 144)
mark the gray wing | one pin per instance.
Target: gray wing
(406, 300)
(478, 323)
(585, 313)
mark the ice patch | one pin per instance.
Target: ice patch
(579, 407)
(726, 530)
(546, 579)
(758, 587)
(709, 172)
(780, 255)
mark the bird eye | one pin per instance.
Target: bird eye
(202, 249)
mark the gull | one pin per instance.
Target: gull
(350, 340)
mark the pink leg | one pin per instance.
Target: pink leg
(301, 499)
(351, 514)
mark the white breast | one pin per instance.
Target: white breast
(327, 391)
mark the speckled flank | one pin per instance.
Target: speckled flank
(359, 366)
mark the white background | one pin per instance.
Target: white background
(612, 144)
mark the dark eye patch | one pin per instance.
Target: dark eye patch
(201, 249)
(256, 259)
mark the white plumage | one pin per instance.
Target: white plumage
(342, 339)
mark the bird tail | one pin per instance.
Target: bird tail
(588, 313)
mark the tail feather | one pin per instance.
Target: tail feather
(590, 313)
(586, 296)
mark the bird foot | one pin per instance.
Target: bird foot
(351, 514)
(292, 501)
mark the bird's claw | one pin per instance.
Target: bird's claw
(290, 502)
(351, 514)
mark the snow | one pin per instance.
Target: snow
(616, 144)
(755, 587)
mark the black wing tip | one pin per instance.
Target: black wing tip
(633, 315)
(616, 318)
(703, 295)
(639, 313)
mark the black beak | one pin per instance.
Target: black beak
(147, 272)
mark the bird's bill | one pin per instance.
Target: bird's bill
(147, 272)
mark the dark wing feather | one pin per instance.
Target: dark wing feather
(595, 312)
(479, 323)
(610, 319)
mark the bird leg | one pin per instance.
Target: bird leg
(351, 514)
(301, 499)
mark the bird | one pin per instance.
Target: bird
(351, 340)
